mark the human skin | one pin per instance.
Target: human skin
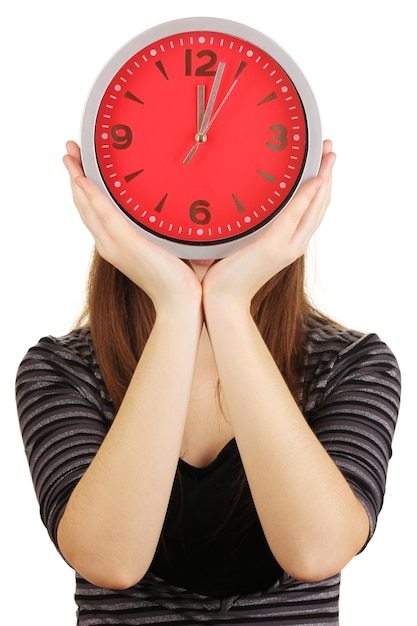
(204, 332)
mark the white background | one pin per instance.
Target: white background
(359, 57)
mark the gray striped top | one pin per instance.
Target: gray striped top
(353, 388)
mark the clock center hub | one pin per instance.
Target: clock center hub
(200, 138)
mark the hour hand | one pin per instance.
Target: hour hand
(201, 92)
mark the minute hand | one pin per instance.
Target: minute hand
(205, 122)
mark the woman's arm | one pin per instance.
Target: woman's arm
(312, 520)
(113, 519)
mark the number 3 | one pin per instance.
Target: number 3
(279, 139)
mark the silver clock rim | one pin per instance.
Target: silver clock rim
(264, 42)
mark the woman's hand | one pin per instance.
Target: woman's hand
(238, 277)
(167, 280)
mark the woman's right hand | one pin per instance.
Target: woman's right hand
(167, 280)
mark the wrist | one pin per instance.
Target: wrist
(179, 294)
(225, 309)
(224, 298)
(184, 310)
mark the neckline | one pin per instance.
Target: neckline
(227, 450)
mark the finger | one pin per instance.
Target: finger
(314, 214)
(303, 198)
(73, 166)
(299, 204)
(327, 146)
(327, 161)
(96, 211)
(73, 149)
(77, 186)
(91, 204)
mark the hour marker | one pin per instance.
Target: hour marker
(161, 68)
(268, 177)
(238, 204)
(268, 98)
(133, 175)
(131, 96)
(161, 203)
(240, 69)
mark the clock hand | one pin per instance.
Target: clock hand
(200, 113)
(204, 118)
(221, 105)
(200, 105)
(212, 98)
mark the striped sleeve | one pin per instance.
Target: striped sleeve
(356, 414)
(63, 418)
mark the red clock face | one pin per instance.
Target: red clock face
(200, 138)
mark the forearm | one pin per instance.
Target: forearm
(112, 523)
(311, 518)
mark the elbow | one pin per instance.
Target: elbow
(321, 556)
(118, 580)
(313, 565)
(103, 568)
(313, 571)
(108, 575)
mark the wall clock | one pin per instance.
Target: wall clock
(200, 130)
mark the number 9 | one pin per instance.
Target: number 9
(122, 136)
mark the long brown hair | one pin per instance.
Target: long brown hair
(121, 316)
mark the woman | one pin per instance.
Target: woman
(207, 447)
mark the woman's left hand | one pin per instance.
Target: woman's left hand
(238, 277)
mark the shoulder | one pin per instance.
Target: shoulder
(329, 344)
(69, 360)
(76, 344)
(335, 353)
(70, 352)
